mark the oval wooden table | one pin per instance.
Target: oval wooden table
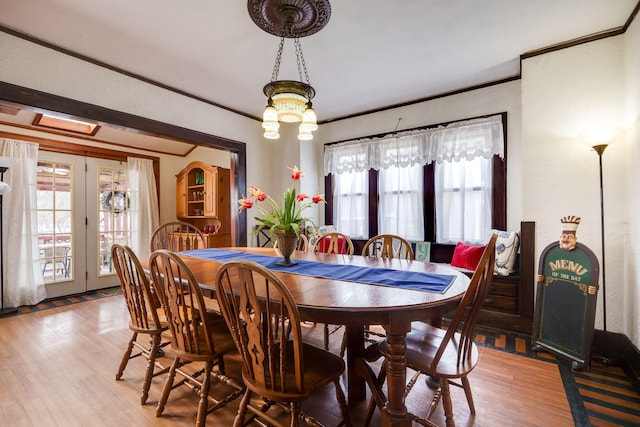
(355, 305)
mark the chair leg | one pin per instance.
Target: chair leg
(467, 391)
(446, 402)
(126, 356)
(370, 410)
(153, 352)
(326, 337)
(343, 345)
(295, 414)
(168, 385)
(242, 409)
(342, 401)
(204, 395)
(378, 383)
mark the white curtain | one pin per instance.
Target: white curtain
(463, 201)
(400, 206)
(351, 204)
(23, 284)
(461, 150)
(460, 140)
(145, 213)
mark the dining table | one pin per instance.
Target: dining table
(358, 291)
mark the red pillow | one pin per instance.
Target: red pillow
(467, 256)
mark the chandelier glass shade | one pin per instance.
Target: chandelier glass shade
(289, 101)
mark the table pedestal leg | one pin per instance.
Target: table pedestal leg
(395, 413)
(356, 385)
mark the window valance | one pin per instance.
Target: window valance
(460, 140)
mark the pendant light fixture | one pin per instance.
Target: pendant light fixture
(289, 101)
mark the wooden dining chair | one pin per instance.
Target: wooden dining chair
(383, 246)
(145, 320)
(198, 336)
(446, 355)
(177, 236)
(301, 245)
(278, 367)
(388, 246)
(333, 243)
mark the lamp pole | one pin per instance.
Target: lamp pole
(599, 149)
(3, 311)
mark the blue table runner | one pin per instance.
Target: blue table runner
(377, 276)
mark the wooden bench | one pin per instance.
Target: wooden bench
(510, 302)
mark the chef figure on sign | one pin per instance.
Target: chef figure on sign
(568, 238)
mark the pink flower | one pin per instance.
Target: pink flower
(296, 173)
(287, 216)
(318, 198)
(245, 203)
(257, 193)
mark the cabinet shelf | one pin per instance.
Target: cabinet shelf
(206, 189)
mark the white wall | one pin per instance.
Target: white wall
(30, 65)
(565, 94)
(631, 290)
(489, 100)
(550, 173)
(27, 64)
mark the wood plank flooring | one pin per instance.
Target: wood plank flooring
(57, 368)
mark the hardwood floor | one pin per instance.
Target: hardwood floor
(57, 368)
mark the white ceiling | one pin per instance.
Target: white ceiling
(372, 54)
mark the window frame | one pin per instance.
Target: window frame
(498, 197)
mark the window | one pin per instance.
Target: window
(400, 202)
(443, 184)
(113, 215)
(55, 219)
(463, 187)
(350, 201)
(71, 125)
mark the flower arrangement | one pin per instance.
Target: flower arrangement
(287, 217)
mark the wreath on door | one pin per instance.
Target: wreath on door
(116, 201)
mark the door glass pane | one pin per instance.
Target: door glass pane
(55, 219)
(113, 215)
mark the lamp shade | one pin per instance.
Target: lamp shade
(270, 118)
(309, 120)
(304, 135)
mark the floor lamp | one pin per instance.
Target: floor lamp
(599, 149)
(5, 162)
(606, 357)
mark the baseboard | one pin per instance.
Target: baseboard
(618, 350)
(506, 321)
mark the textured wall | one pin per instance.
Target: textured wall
(631, 297)
(565, 94)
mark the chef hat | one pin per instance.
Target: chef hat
(570, 224)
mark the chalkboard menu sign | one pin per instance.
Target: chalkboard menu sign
(566, 295)
(566, 301)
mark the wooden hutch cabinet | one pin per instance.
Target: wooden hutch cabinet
(203, 194)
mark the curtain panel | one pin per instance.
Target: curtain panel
(145, 212)
(464, 140)
(23, 283)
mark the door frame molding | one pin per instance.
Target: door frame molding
(43, 102)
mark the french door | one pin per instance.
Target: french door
(83, 208)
